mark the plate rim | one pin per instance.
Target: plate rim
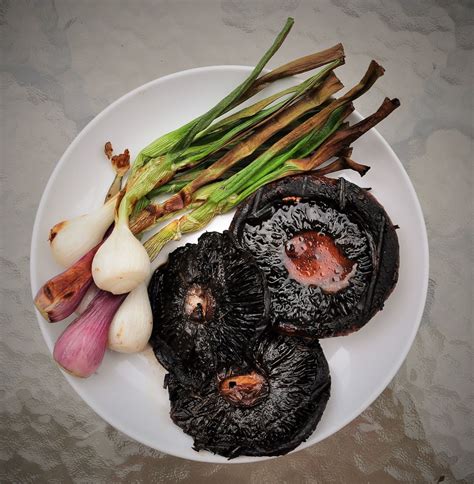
(216, 459)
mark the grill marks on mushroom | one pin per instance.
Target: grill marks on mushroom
(328, 249)
(324, 257)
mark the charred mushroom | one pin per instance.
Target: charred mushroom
(328, 249)
(266, 407)
(209, 303)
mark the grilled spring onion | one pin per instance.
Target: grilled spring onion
(121, 265)
(261, 164)
(229, 193)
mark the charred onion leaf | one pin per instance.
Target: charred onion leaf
(209, 303)
(328, 249)
(266, 407)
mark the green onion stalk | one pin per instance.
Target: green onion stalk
(168, 158)
(153, 213)
(313, 98)
(169, 141)
(183, 136)
(327, 142)
(182, 149)
(163, 169)
(207, 155)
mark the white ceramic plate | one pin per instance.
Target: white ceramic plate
(127, 390)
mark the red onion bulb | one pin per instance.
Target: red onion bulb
(81, 347)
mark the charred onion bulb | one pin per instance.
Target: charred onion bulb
(59, 297)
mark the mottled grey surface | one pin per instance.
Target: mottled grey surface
(64, 61)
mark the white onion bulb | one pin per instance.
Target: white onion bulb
(121, 263)
(132, 324)
(71, 239)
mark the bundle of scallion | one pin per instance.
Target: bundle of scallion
(208, 167)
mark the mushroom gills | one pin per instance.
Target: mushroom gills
(267, 406)
(328, 249)
(210, 304)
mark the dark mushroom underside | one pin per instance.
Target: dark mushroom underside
(268, 407)
(209, 304)
(328, 249)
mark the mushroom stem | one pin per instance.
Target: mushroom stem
(244, 390)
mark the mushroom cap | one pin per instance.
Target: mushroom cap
(292, 376)
(356, 225)
(209, 303)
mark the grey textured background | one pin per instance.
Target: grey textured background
(64, 61)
